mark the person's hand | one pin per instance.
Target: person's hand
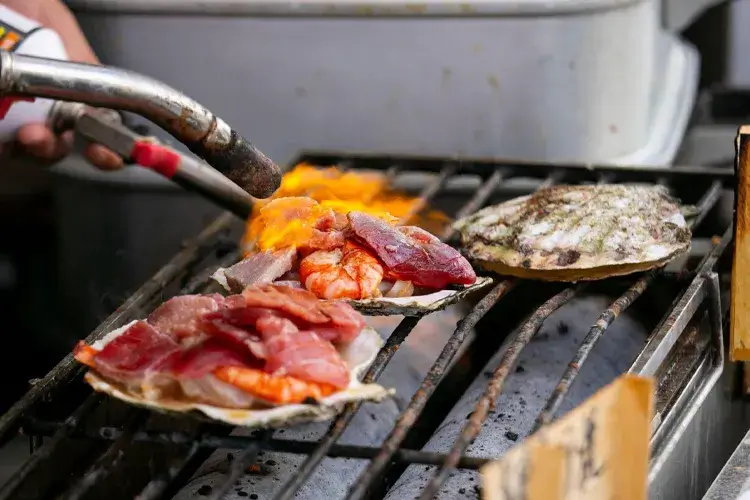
(36, 138)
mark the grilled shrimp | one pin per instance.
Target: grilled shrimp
(348, 273)
(275, 389)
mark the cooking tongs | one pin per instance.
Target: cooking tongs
(205, 134)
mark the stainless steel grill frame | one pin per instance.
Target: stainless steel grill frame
(684, 352)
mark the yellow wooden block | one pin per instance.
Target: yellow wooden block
(598, 451)
(739, 333)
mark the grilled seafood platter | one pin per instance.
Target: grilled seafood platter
(577, 233)
(270, 356)
(366, 259)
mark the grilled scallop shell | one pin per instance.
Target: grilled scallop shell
(358, 355)
(577, 233)
(415, 305)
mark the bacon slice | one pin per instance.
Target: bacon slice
(412, 254)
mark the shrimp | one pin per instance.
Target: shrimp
(348, 273)
(272, 388)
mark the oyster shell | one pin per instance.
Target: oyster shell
(573, 233)
(358, 355)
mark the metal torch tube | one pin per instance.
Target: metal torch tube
(201, 131)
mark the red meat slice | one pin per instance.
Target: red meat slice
(138, 350)
(286, 349)
(237, 327)
(335, 321)
(412, 254)
(179, 316)
(279, 329)
(202, 359)
(305, 355)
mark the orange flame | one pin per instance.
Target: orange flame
(307, 194)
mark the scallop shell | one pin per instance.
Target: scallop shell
(416, 305)
(358, 355)
(577, 233)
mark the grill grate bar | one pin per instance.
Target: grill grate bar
(592, 338)
(427, 387)
(391, 173)
(70, 425)
(110, 459)
(577, 172)
(327, 443)
(500, 375)
(477, 201)
(706, 203)
(157, 487)
(293, 446)
(240, 464)
(430, 191)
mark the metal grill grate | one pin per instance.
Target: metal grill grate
(189, 268)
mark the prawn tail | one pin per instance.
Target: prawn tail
(273, 388)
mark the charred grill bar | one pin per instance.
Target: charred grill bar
(189, 272)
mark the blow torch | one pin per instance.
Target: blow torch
(39, 84)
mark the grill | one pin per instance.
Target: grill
(85, 446)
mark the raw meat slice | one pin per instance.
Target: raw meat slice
(412, 254)
(220, 325)
(200, 360)
(179, 316)
(286, 349)
(305, 355)
(259, 268)
(334, 320)
(134, 353)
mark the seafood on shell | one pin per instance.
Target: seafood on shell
(412, 305)
(272, 355)
(378, 267)
(577, 233)
(358, 356)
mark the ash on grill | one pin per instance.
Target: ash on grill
(472, 380)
